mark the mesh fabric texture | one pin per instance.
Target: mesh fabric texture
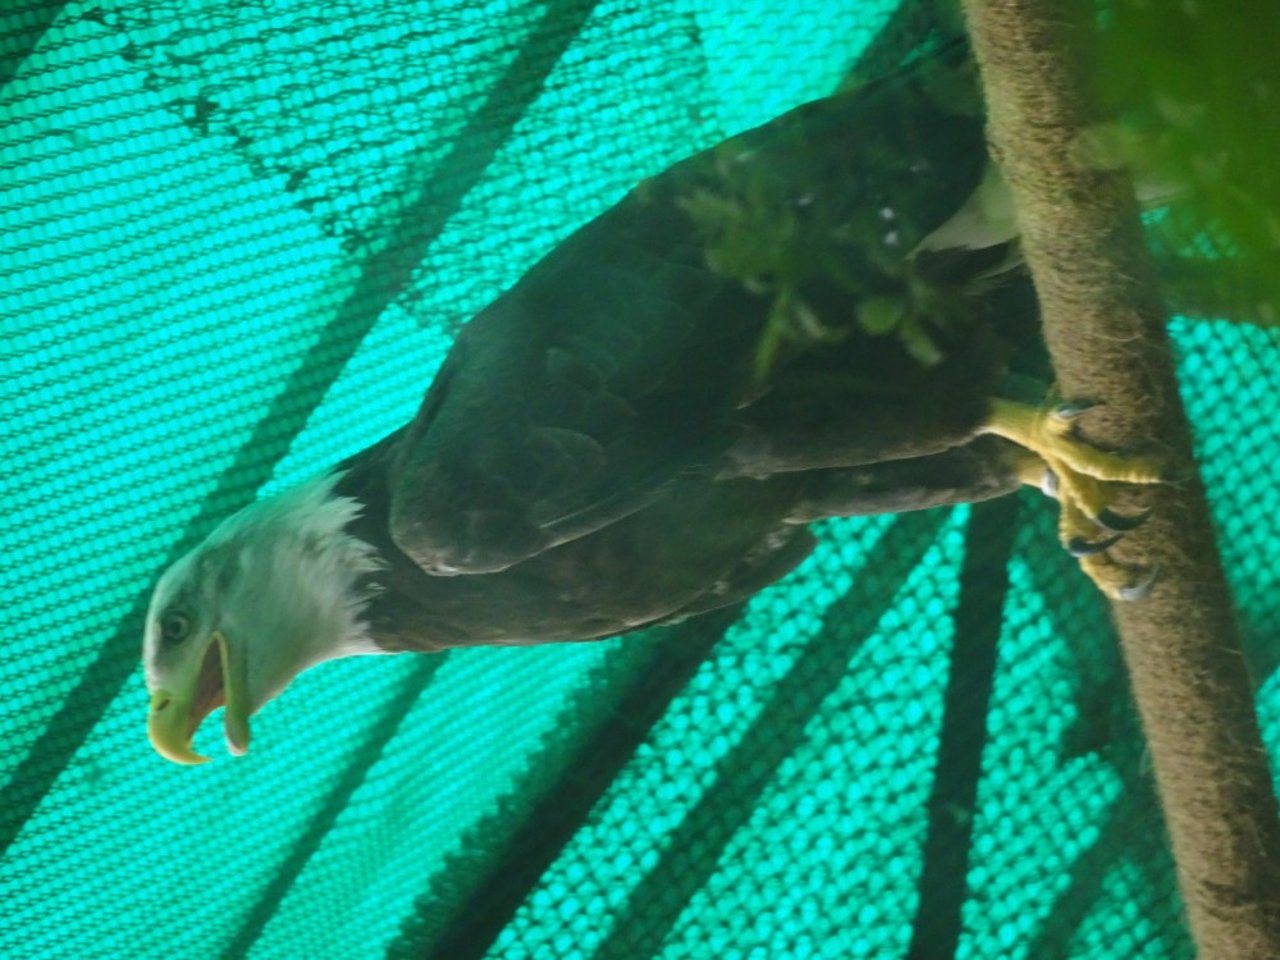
(238, 239)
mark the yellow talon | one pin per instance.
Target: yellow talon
(1049, 435)
(1082, 476)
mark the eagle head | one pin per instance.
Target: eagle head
(275, 588)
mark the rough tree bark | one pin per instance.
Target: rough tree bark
(1104, 324)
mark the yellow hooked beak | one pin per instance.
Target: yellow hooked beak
(213, 680)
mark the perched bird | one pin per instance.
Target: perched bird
(811, 319)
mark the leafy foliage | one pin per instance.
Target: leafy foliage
(1198, 85)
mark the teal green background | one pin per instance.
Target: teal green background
(235, 242)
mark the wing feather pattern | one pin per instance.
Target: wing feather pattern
(617, 363)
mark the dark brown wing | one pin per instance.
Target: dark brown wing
(619, 361)
(573, 399)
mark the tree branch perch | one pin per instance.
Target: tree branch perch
(1105, 327)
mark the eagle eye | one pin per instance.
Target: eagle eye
(174, 627)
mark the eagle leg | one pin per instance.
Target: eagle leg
(1083, 479)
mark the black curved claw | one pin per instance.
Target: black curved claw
(1070, 409)
(1118, 523)
(1139, 589)
(1080, 547)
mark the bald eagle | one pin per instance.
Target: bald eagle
(814, 318)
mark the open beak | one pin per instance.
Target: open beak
(217, 679)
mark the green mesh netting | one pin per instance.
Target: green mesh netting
(237, 239)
